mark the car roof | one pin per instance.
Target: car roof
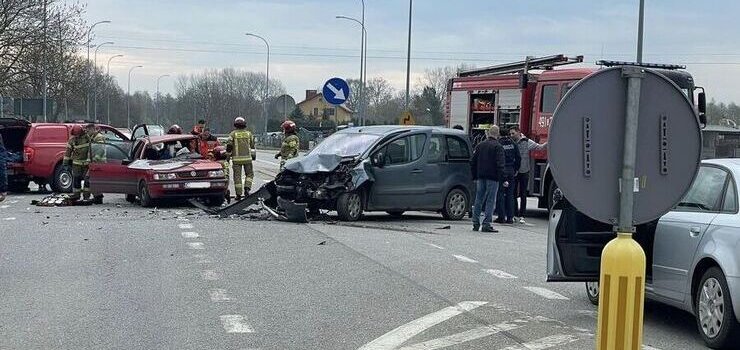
(170, 137)
(383, 130)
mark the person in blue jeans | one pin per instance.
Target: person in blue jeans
(506, 195)
(487, 167)
(3, 173)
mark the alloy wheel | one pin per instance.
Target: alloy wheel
(711, 307)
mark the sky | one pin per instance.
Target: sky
(309, 45)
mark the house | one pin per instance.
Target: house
(317, 108)
(720, 141)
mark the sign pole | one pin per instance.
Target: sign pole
(622, 279)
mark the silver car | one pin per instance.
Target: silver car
(693, 252)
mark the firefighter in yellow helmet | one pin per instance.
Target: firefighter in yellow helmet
(289, 148)
(239, 146)
(79, 154)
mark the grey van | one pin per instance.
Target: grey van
(382, 168)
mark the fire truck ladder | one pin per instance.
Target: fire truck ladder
(546, 63)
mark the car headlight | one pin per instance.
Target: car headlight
(169, 176)
(216, 173)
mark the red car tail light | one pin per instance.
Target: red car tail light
(28, 153)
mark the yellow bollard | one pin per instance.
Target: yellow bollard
(621, 295)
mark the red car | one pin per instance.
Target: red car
(157, 167)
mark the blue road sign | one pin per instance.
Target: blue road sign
(336, 91)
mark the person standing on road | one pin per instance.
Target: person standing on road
(3, 173)
(197, 130)
(239, 146)
(487, 167)
(506, 201)
(78, 155)
(522, 178)
(291, 142)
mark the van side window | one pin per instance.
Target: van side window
(437, 149)
(549, 98)
(110, 135)
(457, 149)
(404, 150)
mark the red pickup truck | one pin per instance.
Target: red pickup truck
(36, 152)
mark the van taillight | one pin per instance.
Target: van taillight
(28, 154)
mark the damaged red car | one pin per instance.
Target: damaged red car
(156, 168)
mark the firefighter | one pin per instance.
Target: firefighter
(239, 146)
(289, 148)
(206, 142)
(78, 155)
(222, 156)
(174, 130)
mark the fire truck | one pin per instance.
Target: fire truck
(525, 94)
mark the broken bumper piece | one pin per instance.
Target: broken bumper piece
(294, 212)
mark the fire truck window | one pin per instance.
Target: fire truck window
(549, 98)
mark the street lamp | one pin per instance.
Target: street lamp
(363, 63)
(107, 72)
(267, 78)
(156, 106)
(408, 57)
(640, 30)
(87, 98)
(95, 81)
(128, 97)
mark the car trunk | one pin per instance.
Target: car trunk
(14, 133)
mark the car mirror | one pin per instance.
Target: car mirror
(378, 159)
(702, 107)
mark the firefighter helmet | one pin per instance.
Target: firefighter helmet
(240, 122)
(77, 130)
(174, 130)
(288, 126)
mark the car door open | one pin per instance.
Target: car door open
(109, 167)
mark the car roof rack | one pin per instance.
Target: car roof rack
(609, 63)
(545, 63)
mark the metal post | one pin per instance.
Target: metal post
(107, 72)
(95, 81)
(408, 57)
(267, 77)
(361, 94)
(156, 104)
(626, 197)
(128, 97)
(87, 95)
(44, 80)
(640, 29)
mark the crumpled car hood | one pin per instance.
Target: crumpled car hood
(314, 163)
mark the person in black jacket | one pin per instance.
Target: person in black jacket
(505, 202)
(3, 173)
(487, 167)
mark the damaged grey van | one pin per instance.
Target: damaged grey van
(380, 168)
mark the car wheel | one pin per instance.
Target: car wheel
(349, 206)
(62, 181)
(145, 199)
(592, 291)
(131, 198)
(456, 205)
(715, 316)
(395, 213)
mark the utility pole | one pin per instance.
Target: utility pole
(408, 57)
(640, 30)
(44, 80)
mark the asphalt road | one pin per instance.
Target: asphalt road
(117, 276)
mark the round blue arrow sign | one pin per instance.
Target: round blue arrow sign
(336, 91)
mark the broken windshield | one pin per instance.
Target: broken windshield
(346, 144)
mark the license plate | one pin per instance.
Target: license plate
(198, 185)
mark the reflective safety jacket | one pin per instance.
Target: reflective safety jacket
(240, 144)
(80, 151)
(289, 148)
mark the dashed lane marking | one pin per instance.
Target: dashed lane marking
(203, 259)
(196, 245)
(4, 206)
(545, 343)
(8, 219)
(499, 274)
(211, 275)
(185, 226)
(219, 295)
(398, 336)
(189, 234)
(235, 324)
(435, 246)
(13, 202)
(459, 338)
(546, 293)
(464, 258)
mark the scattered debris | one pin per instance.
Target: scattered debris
(444, 227)
(59, 200)
(322, 243)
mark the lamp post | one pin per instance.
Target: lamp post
(95, 81)
(363, 64)
(640, 29)
(267, 78)
(87, 97)
(107, 72)
(408, 57)
(128, 97)
(156, 106)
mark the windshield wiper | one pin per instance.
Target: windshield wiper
(694, 205)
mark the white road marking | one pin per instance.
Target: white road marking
(398, 336)
(8, 219)
(235, 324)
(500, 274)
(464, 258)
(218, 295)
(545, 343)
(13, 202)
(462, 337)
(546, 293)
(211, 275)
(590, 313)
(185, 226)
(435, 246)
(196, 245)
(189, 234)
(648, 347)
(4, 206)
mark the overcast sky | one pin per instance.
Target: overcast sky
(309, 45)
